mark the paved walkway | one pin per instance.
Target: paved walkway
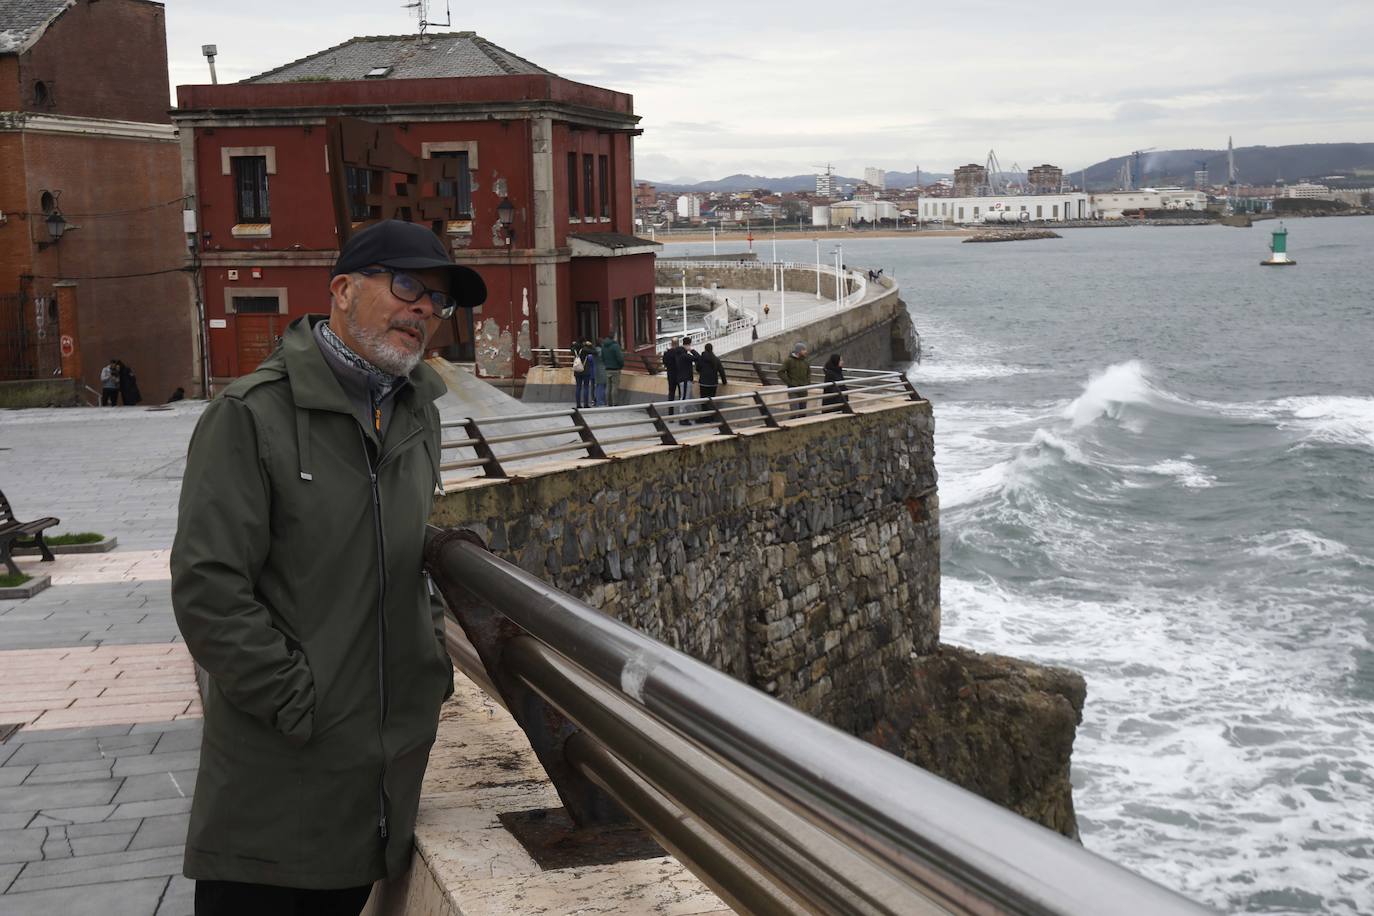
(96, 785)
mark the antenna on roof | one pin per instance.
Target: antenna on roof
(421, 8)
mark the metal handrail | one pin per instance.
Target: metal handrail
(783, 813)
(723, 413)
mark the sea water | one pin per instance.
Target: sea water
(1156, 464)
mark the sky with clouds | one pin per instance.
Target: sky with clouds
(768, 87)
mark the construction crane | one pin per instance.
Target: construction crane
(992, 181)
(1135, 176)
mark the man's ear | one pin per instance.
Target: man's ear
(340, 289)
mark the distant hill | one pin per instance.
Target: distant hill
(1257, 165)
(733, 183)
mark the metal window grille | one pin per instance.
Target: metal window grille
(250, 183)
(460, 189)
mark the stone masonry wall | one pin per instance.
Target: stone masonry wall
(804, 561)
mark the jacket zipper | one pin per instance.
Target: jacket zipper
(381, 633)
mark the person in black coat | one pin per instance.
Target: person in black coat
(710, 372)
(834, 375)
(670, 365)
(128, 385)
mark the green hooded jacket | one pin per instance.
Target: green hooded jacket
(795, 372)
(297, 584)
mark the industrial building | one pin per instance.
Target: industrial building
(1007, 208)
(848, 212)
(1115, 204)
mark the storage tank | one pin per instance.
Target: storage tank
(1005, 216)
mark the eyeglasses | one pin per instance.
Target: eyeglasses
(408, 288)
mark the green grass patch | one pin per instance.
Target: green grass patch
(8, 581)
(83, 537)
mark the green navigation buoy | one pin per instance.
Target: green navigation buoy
(1278, 250)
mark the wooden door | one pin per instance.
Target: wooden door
(257, 337)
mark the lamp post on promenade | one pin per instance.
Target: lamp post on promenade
(684, 301)
(713, 240)
(782, 285)
(818, 267)
(775, 240)
(836, 253)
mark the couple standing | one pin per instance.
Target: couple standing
(596, 372)
(683, 363)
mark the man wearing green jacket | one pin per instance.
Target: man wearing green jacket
(794, 373)
(297, 584)
(613, 359)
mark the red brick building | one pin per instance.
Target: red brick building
(91, 240)
(442, 131)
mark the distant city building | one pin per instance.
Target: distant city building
(861, 211)
(820, 215)
(1202, 179)
(1045, 179)
(969, 179)
(1115, 204)
(825, 185)
(1307, 190)
(1356, 197)
(1010, 208)
(645, 196)
(876, 178)
(689, 207)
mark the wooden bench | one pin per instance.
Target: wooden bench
(14, 533)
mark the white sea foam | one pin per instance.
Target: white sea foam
(1108, 391)
(1295, 544)
(954, 371)
(1212, 746)
(1333, 420)
(1186, 472)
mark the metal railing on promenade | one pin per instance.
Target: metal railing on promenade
(598, 432)
(774, 810)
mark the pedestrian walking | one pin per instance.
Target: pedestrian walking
(613, 361)
(834, 375)
(109, 384)
(128, 385)
(710, 371)
(298, 585)
(794, 373)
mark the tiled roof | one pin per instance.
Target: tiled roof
(22, 21)
(442, 55)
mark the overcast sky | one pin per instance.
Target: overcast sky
(776, 88)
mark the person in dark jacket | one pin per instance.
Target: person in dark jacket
(794, 373)
(612, 360)
(129, 394)
(710, 372)
(670, 366)
(582, 381)
(297, 583)
(834, 375)
(686, 369)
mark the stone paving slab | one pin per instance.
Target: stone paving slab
(87, 686)
(128, 898)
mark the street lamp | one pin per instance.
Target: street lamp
(818, 267)
(684, 301)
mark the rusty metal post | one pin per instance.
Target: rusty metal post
(723, 423)
(915, 395)
(664, 433)
(483, 449)
(768, 419)
(584, 429)
(758, 370)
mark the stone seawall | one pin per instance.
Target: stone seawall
(805, 562)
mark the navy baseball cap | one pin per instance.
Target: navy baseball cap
(409, 246)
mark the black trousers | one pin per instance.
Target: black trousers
(231, 898)
(109, 397)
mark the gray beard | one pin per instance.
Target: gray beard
(376, 348)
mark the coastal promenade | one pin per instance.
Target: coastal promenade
(95, 788)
